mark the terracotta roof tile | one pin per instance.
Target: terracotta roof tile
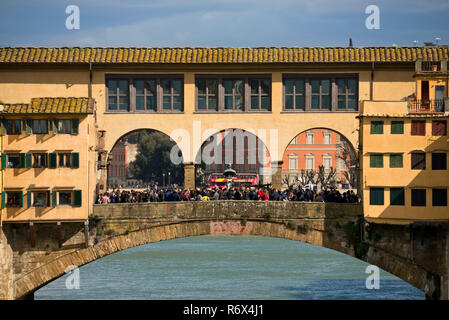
(220, 54)
(50, 105)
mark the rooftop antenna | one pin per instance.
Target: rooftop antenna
(350, 42)
(437, 40)
(415, 42)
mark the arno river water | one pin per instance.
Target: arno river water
(228, 267)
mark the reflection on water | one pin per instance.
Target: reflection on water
(228, 267)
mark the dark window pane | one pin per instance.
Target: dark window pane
(17, 128)
(123, 103)
(167, 103)
(228, 102)
(315, 102)
(397, 127)
(150, 86)
(238, 87)
(325, 102)
(325, 86)
(351, 86)
(177, 103)
(254, 86)
(112, 87)
(397, 197)
(288, 102)
(265, 86)
(165, 84)
(376, 161)
(201, 103)
(419, 197)
(238, 103)
(341, 102)
(288, 86)
(36, 126)
(439, 197)
(439, 127)
(140, 87)
(351, 102)
(227, 84)
(201, 85)
(377, 127)
(123, 87)
(341, 83)
(299, 86)
(151, 103)
(177, 86)
(212, 86)
(439, 161)
(112, 103)
(300, 102)
(255, 102)
(396, 161)
(265, 103)
(315, 86)
(212, 102)
(140, 102)
(418, 128)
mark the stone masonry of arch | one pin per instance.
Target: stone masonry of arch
(405, 251)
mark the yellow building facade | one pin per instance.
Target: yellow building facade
(342, 89)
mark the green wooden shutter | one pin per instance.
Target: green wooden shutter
(397, 196)
(22, 160)
(21, 199)
(28, 157)
(376, 196)
(396, 161)
(75, 160)
(53, 199)
(4, 163)
(52, 160)
(48, 199)
(28, 126)
(376, 161)
(75, 123)
(3, 127)
(3, 199)
(377, 127)
(397, 127)
(77, 198)
(29, 199)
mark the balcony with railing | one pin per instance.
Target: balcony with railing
(426, 106)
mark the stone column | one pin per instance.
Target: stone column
(276, 177)
(189, 175)
(6, 268)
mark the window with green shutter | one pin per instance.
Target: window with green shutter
(397, 197)
(376, 160)
(52, 160)
(376, 196)
(3, 200)
(397, 127)
(28, 126)
(75, 160)
(396, 161)
(4, 162)
(377, 127)
(2, 127)
(54, 126)
(77, 198)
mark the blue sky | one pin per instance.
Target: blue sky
(228, 23)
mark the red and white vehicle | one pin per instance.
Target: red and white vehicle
(218, 180)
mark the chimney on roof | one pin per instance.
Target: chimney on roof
(350, 42)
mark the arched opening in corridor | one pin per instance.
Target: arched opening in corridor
(237, 149)
(227, 267)
(145, 158)
(320, 158)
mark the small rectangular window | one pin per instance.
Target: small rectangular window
(419, 197)
(397, 127)
(40, 127)
(418, 160)
(13, 126)
(397, 197)
(13, 160)
(376, 196)
(439, 197)
(439, 127)
(14, 199)
(396, 161)
(207, 94)
(259, 94)
(64, 126)
(439, 161)
(418, 128)
(39, 160)
(41, 198)
(377, 127)
(64, 160)
(233, 94)
(376, 161)
(65, 198)
(294, 97)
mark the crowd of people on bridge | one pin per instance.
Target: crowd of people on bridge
(153, 194)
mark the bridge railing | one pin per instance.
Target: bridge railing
(226, 209)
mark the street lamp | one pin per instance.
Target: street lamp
(163, 175)
(169, 178)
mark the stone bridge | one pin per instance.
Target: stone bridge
(416, 253)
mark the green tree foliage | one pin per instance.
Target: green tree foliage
(153, 159)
